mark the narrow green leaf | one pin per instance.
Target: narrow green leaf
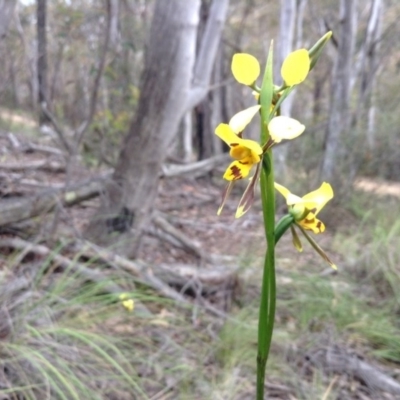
(316, 50)
(284, 95)
(267, 91)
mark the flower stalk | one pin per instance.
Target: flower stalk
(268, 288)
(252, 157)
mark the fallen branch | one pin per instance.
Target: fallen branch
(18, 209)
(44, 165)
(192, 203)
(90, 274)
(14, 141)
(185, 278)
(338, 360)
(188, 244)
(161, 235)
(43, 149)
(139, 269)
(196, 169)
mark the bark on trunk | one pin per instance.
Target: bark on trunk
(339, 118)
(168, 90)
(165, 84)
(6, 11)
(287, 26)
(42, 58)
(370, 66)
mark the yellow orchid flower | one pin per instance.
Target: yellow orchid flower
(126, 301)
(246, 152)
(305, 209)
(245, 68)
(295, 67)
(284, 128)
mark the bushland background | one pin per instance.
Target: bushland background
(110, 178)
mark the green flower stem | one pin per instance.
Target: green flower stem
(268, 289)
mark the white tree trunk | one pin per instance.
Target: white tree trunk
(205, 62)
(287, 25)
(369, 71)
(165, 86)
(187, 142)
(6, 12)
(207, 53)
(114, 14)
(339, 118)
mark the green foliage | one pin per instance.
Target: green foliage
(104, 138)
(62, 344)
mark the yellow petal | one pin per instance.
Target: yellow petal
(304, 209)
(284, 128)
(239, 146)
(129, 304)
(240, 120)
(225, 133)
(239, 152)
(312, 223)
(245, 153)
(317, 199)
(237, 170)
(245, 68)
(282, 190)
(295, 68)
(246, 148)
(292, 200)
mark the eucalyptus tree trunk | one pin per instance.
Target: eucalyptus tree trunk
(369, 69)
(168, 89)
(6, 12)
(287, 25)
(214, 17)
(339, 118)
(41, 11)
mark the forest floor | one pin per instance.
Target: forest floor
(336, 334)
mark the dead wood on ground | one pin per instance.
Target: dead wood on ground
(338, 360)
(93, 275)
(14, 210)
(172, 281)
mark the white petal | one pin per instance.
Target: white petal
(285, 128)
(240, 120)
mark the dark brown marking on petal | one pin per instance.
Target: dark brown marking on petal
(234, 144)
(243, 163)
(319, 226)
(236, 172)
